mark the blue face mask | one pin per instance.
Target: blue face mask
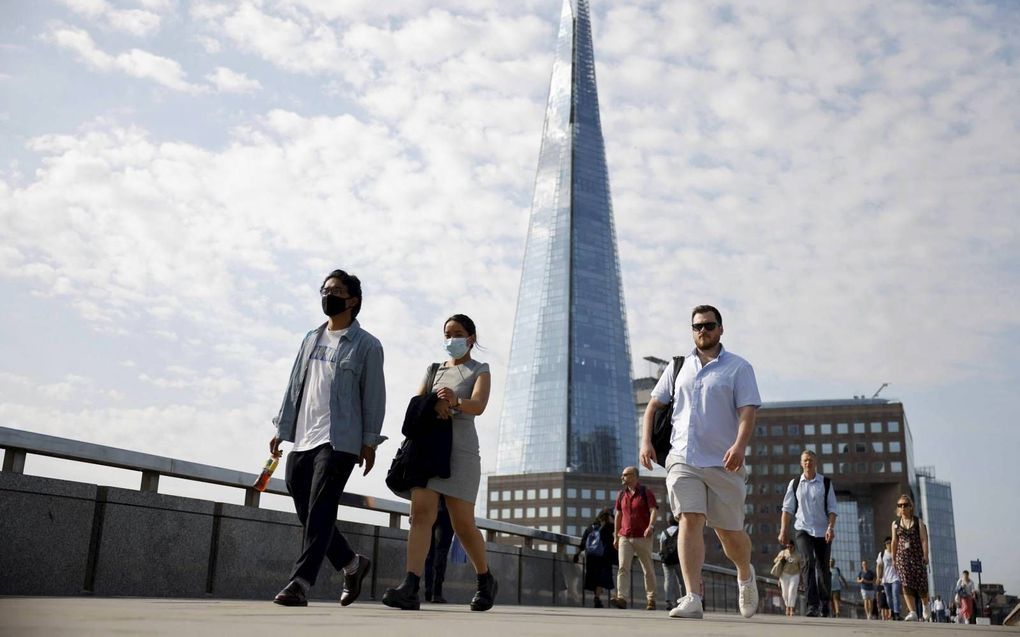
(456, 347)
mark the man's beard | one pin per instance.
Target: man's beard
(711, 345)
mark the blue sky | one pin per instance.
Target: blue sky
(841, 179)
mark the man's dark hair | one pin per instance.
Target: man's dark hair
(704, 309)
(353, 285)
(888, 538)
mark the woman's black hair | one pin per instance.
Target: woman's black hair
(465, 321)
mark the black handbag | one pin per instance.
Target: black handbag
(662, 424)
(397, 478)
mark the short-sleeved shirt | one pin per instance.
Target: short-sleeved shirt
(889, 574)
(867, 575)
(706, 399)
(634, 510)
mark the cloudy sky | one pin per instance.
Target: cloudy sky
(840, 178)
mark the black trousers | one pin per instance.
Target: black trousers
(814, 551)
(316, 479)
(439, 551)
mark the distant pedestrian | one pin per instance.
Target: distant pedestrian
(965, 590)
(866, 578)
(881, 603)
(938, 608)
(599, 556)
(439, 552)
(788, 562)
(715, 402)
(635, 522)
(889, 578)
(810, 503)
(672, 579)
(910, 554)
(836, 588)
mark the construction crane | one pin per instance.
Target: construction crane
(879, 391)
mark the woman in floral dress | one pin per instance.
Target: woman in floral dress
(909, 550)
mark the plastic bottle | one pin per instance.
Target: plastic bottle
(267, 472)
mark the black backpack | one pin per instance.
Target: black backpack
(667, 551)
(662, 425)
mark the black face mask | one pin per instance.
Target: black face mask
(333, 305)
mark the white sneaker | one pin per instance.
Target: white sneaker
(748, 597)
(688, 607)
(927, 615)
(911, 617)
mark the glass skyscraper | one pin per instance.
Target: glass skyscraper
(935, 505)
(568, 404)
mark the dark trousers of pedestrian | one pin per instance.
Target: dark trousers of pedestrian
(316, 479)
(815, 576)
(439, 551)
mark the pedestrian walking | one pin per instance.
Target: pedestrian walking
(866, 578)
(810, 503)
(836, 587)
(889, 578)
(332, 412)
(672, 578)
(965, 591)
(634, 523)
(439, 553)
(938, 608)
(599, 556)
(715, 400)
(788, 563)
(910, 555)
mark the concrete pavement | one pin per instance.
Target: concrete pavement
(56, 616)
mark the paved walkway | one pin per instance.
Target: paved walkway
(28, 616)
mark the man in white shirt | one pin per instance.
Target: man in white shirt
(715, 401)
(810, 503)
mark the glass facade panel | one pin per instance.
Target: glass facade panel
(842, 428)
(876, 427)
(531, 494)
(877, 447)
(826, 429)
(809, 430)
(894, 427)
(556, 493)
(894, 446)
(569, 402)
(858, 427)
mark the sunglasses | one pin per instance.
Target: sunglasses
(904, 505)
(705, 327)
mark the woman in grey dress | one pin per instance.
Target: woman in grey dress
(462, 388)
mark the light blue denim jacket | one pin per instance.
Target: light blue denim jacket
(357, 400)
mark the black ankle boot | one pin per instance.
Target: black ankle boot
(486, 593)
(405, 596)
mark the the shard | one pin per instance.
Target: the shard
(569, 404)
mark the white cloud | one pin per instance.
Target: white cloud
(133, 21)
(135, 62)
(227, 81)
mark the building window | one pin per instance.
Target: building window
(518, 513)
(777, 430)
(826, 448)
(794, 469)
(763, 470)
(777, 450)
(878, 467)
(748, 528)
(531, 512)
(896, 467)
(793, 430)
(858, 427)
(877, 447)
(826, 429)
(894, 446)
(748, 509)
(518, 494)
(586, 494)
(494, 514)
(494, 496)
(809, 430)
(827, 467)
(600, 495)
(586, 513)
(505, 514)
(842, 428)
(766, 549)
(531, 495)
(763, 450)
(765, 528)
(554, 512)
(876, 427)
(749, 488)
(779, 488)
(778, 469)
(748, 450)
(543, 494)
(556, 493)
(843, 447)
(543, 512)
(861, 447)
(572, 530)
(793, 450)
(555, 528)
(571, 512)
(506, 496)
(763, 489)
(860, 467)
(571, 493)
(761, 431)
(811, 447)
(894, 426)
(844, 467)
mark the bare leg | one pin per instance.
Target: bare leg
(737, 547)
(462, 516)
(691, 542)
(424, 506)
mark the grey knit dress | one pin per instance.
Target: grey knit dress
(465, 463)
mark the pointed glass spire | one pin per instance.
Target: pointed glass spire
(569, 403)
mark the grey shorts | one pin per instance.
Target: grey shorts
(712, 491)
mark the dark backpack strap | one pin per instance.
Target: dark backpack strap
(678, 362)
(430, 378)
(795, 485)
(828, 483)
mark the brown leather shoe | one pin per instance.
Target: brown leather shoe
(650, 605)
(617, 602)
(352, 582)
(291, 595)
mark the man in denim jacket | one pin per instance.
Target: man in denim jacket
(333, 413)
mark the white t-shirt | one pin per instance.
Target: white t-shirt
(313, 418)
(889, 573)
